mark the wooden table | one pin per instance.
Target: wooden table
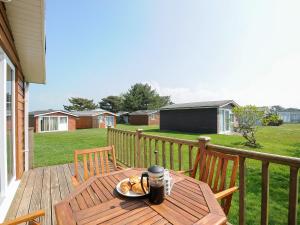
(97, 202)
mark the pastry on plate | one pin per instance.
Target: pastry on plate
(134, 179)
(137, 188)
(125, 187)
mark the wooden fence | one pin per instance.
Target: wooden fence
(137, 149)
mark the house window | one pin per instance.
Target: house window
(53, 123)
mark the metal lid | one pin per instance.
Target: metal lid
(156, 169)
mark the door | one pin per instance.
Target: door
(7, 126)
(225, 121)
(109, 121)
(63, 123)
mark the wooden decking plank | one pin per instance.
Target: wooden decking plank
(55, 193)
(80, 170)
(12, 212)
(35, 203)
(68, 177)
(46, 198)
(63, 186)
(26, 198)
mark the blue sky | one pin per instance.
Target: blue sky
(248, 51)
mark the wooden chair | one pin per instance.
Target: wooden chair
(30, 218)
(214, 169)
(95, 162)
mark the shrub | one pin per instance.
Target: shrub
(272, 120)
(248, 117)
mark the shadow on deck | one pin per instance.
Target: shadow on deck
(42, 188)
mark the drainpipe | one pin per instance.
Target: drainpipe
(26, 127)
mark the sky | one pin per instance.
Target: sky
(195, 50)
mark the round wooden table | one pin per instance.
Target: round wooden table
(96, 201)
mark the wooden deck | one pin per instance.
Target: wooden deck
(42, 188)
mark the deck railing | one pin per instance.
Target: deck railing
(137, 149)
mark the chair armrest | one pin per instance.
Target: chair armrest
(26, 218)
(120, 168)
(75, 181)
(225, 193)
(183, 171)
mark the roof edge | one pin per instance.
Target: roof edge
(58, 111)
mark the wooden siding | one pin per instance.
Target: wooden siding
(20, 126)
(144, 119)
(189, 120)
(7, 44)
(84, 122)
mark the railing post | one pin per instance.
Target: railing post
(242, 191)
(293, 195)
(265, 193)
(202, 141)
(137, 161)
(108, 136)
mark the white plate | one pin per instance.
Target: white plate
(129, 193)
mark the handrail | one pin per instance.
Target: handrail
(168, 139)
(285, 160)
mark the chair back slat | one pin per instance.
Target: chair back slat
(107, 162)
(223, 175)
(216, 169)
(91, 164)
(212, 168)
(91, 160)
(97, 163)
(217, 175)
(85, 168)
(101, 162)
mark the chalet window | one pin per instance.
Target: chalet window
(53, 123)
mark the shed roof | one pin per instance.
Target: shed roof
(143, 112)
(198, 105)
(290, 110)
(49, 112)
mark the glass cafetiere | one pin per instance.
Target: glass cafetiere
(155, 182)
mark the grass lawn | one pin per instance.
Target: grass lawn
(57, 148)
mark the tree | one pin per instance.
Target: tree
(276, 108)
(80, 104)
(111, 103)
(142, 97)
(248, 117)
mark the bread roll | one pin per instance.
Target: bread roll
(134, 179)
(137, 188)
(125, 186)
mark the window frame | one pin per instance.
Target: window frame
(40, 118)
(6, 188)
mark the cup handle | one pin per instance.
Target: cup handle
(145, 174)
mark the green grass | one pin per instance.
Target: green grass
(57, 148)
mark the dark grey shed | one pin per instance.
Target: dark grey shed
(199, 117)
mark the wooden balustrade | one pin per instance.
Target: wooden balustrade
(143, 150)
